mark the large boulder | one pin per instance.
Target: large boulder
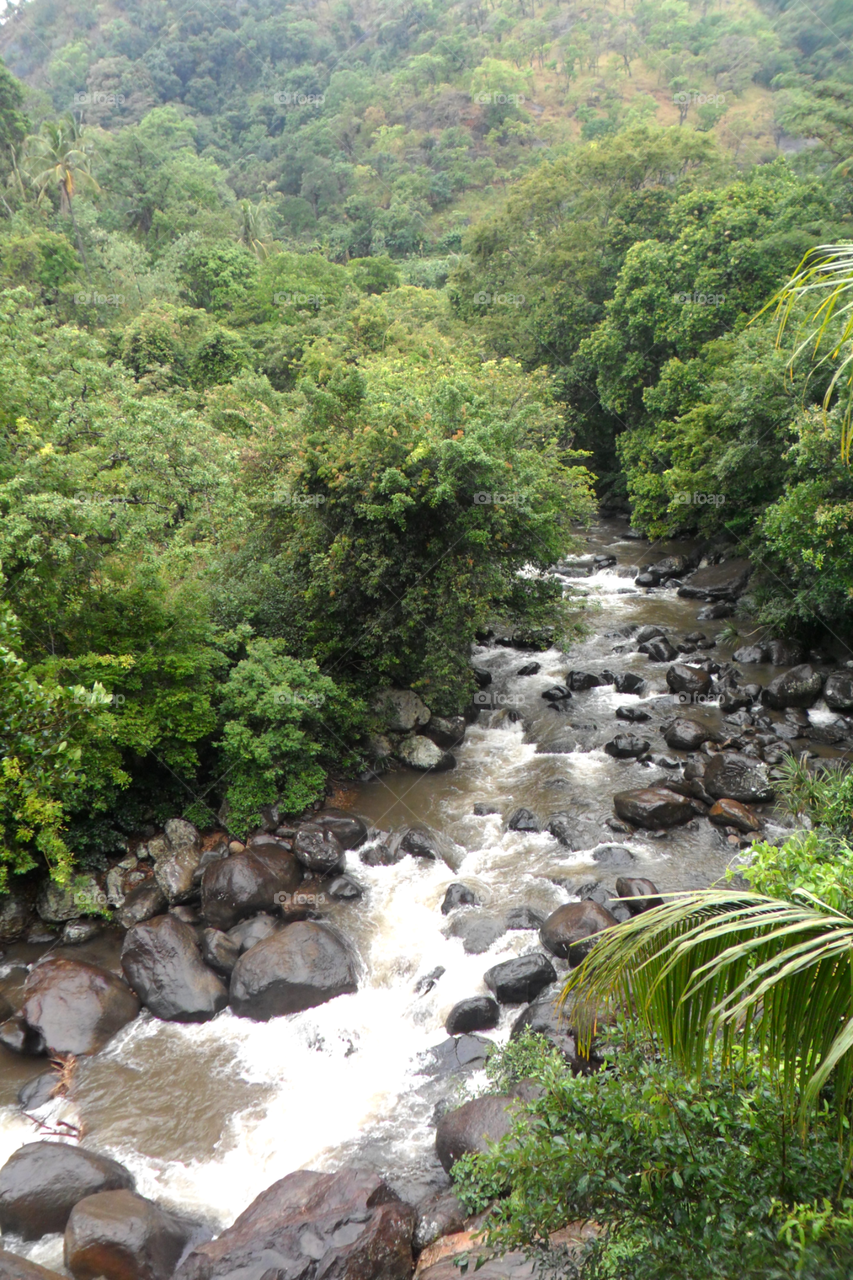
(458, 895)
(523, 820)
(162, 962)
(477, 1013)
(318, 849)
(303, 966)
(347, 1225)
(249, 882)
(838, 691)
(629, 682)
(41, 1183)
(731, 813)
(349, 830)
(446, 733)
(726, 581)
(401, 710)
(693, 681)
(422, 753)
(76, 1007)
(749, 654)
(567, 929)
(119, 1235)
(520, 980)
(142, 903)
(729, 776)
(686, 735)
(175, 871)
(653, 807)
(799, 687)
(477, 929)
(640, 894)
(658, 650)
(57, 903)
(14, 917)
(219, 950)
(474, 1127)
(546, 1017)
(626, 746)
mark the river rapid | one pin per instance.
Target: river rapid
(206, 1116)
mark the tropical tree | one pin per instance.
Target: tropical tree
(59, 158)
(823, 285)
(716, 975)
(253, 230)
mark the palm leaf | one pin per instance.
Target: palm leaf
(713, 975)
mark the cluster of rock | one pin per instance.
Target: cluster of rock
(412, 735)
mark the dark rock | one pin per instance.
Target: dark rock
(658, 650)
(15, 916)
(520, 980)
(142, 903)
(477, 1013)
(381, 855)
(634, 715)
(441, 1214)
(246, 883)
(421, 842)
(428, 981)
(523, 820)
(482, 810)
(686, 735)
(458, 895)
(456, 1055)
(565, 931)
(529, 669)
(729, 776)
(726, 581)
(474, 1127)
(347, 1225)
(641, 894)
(524, 918)
(649, 632)
(18, 1036)
(483, 678)
(629, 683)
(558, 693)
(446, 732)
(43, 1181)
(799, 687)
(625, 746)
(545, 1017)
(730, 813)
(838, 691)
(578, 681)
(318, 849)
(691, 680)
(76, 932)
(304, 965)
(613, 855)
(118, 1235)
(219, 951)
(345, 889)
(750, 653)
(477, 931)
(162, 963)
(714, 611)
(349, 830)
(76, 1007)
(652, 807)
(39, 1091)
(564, 827)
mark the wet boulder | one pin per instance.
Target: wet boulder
(477, 1013)
(626, 746)
(304, 965)
(347, 1225)
(440, 1214)
(520, 980)
(567, 929)
(474, 1127)
(420, 842)
(57, 903)
(523, 918)
(76, 1007)
(401, 710)
(557, 693)
(649, 632)
(686, 735)
(422, 753)
(681, 678)
(634, 715)
(730, 813)
(565, 827)
(477, 930)
(219, 951)
(249, 932)
(729, 776)
(725, 581)
(142, 903)
(318, 849)
(529, 669)
(658, 650)
(14, 1268)
(162, 963)
(42, 1182)
(246, 883)
(175, 872)
(456, 1056)
(799, 687)
(750, 653)
(349, 830)
(579, 681)
(628, 682)
(458, 895)
(119, 1235)
(838, 691)
(446, 732)
(613, 855)
(640, 894)
(714, 611)
(653, 807)
(15, 915)
(523, 820)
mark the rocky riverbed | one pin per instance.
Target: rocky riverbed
(260, 1067)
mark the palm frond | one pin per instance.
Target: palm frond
(715, 974)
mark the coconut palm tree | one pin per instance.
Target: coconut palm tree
(253, 229)
(58, 158)
(823, 283)
(715, 975)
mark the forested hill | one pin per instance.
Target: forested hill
(290, 293)
(386, 127)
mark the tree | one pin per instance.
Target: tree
(58, 158)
